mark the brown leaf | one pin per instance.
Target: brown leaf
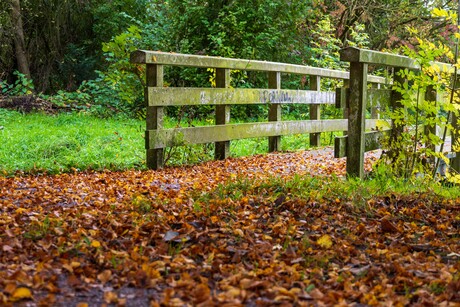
(110, 297)
(388, 226)
(105, 276)
(7, 248)
(316, 294)
(201, 293)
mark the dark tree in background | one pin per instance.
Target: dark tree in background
(22, 56)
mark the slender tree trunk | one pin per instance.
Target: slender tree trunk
(22, 56)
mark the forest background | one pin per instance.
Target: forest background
(76, 52)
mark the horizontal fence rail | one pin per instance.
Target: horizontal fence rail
(222, 97)
(188, 60)
(215, 96)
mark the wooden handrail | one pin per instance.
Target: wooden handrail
(189, 60)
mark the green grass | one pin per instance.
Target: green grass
(34, 143)
(37, 142)
(335, 189)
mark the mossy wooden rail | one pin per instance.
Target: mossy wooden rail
(222, 97)
(357, 95)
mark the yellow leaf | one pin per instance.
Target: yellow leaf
(439, 13)
(20, 210)
(96, 244)
(21, 293)
(325, 241)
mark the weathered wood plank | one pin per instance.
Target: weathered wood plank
(154, 116)
(356, 119)
(274, 112)
(353, 54)
(223, 96)
(222, 149)
(315, 111)
(375, 97)
(372, 140)
(220, 133)
(177, 59)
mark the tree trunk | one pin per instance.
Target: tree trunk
(19, 43)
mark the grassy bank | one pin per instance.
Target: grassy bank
(65, 142)
(37, 142)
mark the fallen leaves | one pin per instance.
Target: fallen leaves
(220, 233)
(325, 241)
(387, 226)
(21, 293)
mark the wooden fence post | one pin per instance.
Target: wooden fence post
(222, 149)
(356, 119)
(274, 112)
(154, 116)
(315, 111)
(346, 84)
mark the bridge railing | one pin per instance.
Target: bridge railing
(356, 98)
(223, 96)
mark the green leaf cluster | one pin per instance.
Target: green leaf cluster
(422, 114)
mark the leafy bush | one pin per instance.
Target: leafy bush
(22, 86)
(410, 150)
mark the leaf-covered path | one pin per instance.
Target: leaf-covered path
(218, 234)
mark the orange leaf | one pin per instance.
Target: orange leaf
(96, 244)
(110, 297)
(21, 293)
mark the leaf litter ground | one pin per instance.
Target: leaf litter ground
(183, 236)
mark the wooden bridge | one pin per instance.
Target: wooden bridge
(362, 93)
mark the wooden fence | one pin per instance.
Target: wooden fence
(361, 91)
(357, 97)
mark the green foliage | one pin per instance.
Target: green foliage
(411, 151)
(325, 47)
(65, 142)
(246, 29)
(117, 89)
(22, 86)
(355, 192)
(76, 99)
(75, 67)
